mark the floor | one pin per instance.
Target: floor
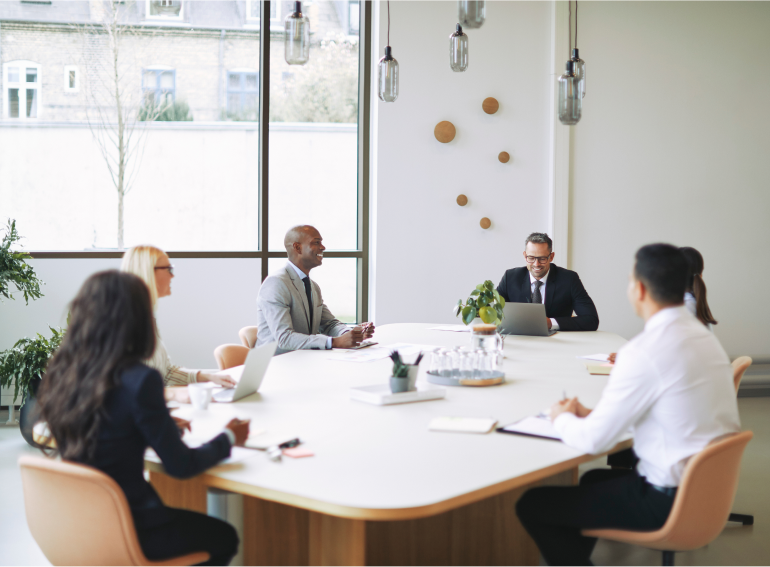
(737, 545)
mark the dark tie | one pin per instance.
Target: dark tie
(536, 297)
(306, 281)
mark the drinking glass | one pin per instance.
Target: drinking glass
(454, 356)
(445, 363)
(467, 361)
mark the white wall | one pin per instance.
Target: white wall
(673, 146)
(430, 252)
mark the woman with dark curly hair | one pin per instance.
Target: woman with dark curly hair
(104, 408)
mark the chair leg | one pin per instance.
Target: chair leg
(668, 558)
(745, 519)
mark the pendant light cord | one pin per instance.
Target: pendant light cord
(576, 22)
(388, 22)
(569, 46)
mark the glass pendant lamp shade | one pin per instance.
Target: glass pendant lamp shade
(471, 13)
(570, 100)
(580, 71)
(296, 37)
(387, 77)
(458, 50)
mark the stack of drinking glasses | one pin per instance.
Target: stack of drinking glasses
(464, 364)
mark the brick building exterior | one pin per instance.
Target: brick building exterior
(55, 56)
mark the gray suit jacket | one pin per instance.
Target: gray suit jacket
(282, 314)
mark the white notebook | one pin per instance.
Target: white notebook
(533, 427)
(380, 394)
(462, 424)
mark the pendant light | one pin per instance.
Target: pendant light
(387, 74)
(570, 100)
(580, 65)
(471, 13)
(458, 50)
(296, 37)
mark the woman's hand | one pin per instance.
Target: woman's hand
(611, 358)
(177, 394)
(224, 380)
(241, 430)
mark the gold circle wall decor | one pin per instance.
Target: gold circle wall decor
(490, 105)
(485, 223)
(503, 157)
(462, 200)
(445, 132)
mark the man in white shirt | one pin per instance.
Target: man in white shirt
(290, 308)
(671, 387)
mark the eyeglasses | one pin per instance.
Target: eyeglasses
(543, 259)
(170, 269)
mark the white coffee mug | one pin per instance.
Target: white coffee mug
(200, 395)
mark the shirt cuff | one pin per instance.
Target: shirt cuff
(328, 343)
(230, 436)
(554, 325)
(562, 422)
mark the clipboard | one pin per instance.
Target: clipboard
(531, 426)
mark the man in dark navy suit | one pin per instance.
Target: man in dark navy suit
(559, 289)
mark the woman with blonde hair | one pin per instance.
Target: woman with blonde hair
(152, 265)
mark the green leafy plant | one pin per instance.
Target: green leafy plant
(26, 361)
(178, 111)
(483, 301)
(14, 268)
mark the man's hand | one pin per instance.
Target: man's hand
(182, 424)
(241, 430)
(368, 330)
(572, 406)
(223, 380)
(350, 339)
(548, 320)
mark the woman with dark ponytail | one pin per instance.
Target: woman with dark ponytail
(695, 297)
(104, 408)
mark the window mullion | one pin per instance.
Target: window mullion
(264, 119)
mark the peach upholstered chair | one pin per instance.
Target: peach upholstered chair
(740, 365)
(248, 336)
(230, 355)
(702, 503)
(80, 516)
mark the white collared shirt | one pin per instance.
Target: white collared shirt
(672, 387)
(302, 275)
(543, 280)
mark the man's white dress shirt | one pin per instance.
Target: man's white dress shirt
(672, 387)
(543, 280)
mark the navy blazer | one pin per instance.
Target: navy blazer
(136, 417)
(564, 293)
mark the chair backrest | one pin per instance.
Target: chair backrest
(248, 336)
(740, 365)
(77, 514)
(230, 355)
(706, 493)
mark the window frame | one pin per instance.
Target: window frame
(67, 88)
(23, 86)
(158, 69)
(149, 16)
(241, 72)
(275, 21)
(361, 254)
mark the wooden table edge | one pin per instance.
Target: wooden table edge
(393, 514)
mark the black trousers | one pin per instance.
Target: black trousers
(188, 532)
(554, 515)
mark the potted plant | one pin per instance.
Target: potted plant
(404, 376)
(23, 364)
(484, 302)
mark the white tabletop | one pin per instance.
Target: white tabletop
(384, 458)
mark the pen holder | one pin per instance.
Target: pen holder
(398, 385)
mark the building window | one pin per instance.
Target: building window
(165, 9)
(354, 17)
(243, 95)
(22, 89)
(253, 7)
(71, 79)
(159, 86)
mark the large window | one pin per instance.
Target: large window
(160, 137)
(22, 89)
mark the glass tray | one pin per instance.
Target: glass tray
(496, 378)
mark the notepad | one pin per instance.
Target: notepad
(462, 424)
(532, 427)
(599, 369)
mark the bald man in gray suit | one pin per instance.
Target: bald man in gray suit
(283, 312)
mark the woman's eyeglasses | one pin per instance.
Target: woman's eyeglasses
(169, 268)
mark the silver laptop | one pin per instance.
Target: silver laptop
(249, 376)
(525, 319)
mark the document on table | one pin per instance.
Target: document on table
(370, 354)
(600, 357)
(452, 328)
(533, 427)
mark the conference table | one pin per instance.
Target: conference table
(381, 489)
